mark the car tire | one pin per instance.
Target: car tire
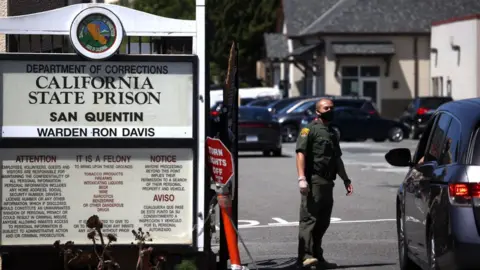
(396, 134)
(277, 152)
(414, 132)
(289, 133)
(405, 262)
(431, 248)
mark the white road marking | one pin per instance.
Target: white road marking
(295, 224)
(250, 223)
(376, 154)
(278, 221)
(283, 223)
(394, 169)
(367, 164)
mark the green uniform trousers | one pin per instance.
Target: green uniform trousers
(315, 212)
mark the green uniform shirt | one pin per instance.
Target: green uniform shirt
(321, 148)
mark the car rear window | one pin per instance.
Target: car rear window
(260, 102)
(433, 103)
(248, 114)
(305, 106)
(476, 149)
(244, 101)
(284, 103)
(347, 103)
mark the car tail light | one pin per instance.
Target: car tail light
(372, 112)
(214, 113)
(421, 111)
(462, 194)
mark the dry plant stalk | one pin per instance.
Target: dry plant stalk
(144, 261)
(74, 258)
(95, 225)
(231, 58)
(231, 70)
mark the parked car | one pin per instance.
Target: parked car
(419, 111)
(260, 102)
(362, 103)
(438, 202)
(356, 124)
(304, 110)
(291, 119)
(294, 105)
(258, 131)
(280, 104)
(245, 101)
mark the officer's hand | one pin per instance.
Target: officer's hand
(348, 187)
(303, 185)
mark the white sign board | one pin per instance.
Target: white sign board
(48, 194)
(78, 99)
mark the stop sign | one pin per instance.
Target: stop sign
(220, 161)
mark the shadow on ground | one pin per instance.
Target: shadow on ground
(290, 264)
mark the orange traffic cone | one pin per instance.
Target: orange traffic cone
(225, 203)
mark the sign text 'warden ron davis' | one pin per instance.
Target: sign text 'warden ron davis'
(97, 99)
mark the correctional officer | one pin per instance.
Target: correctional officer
(318, 163)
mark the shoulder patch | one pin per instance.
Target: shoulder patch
(304, 132)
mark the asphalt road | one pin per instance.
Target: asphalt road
(363, 232)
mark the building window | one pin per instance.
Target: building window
(352, 75)
(434, 87)
(449, 88)
(349, 71)
(370, 71)
(440, 86)
(350, 81)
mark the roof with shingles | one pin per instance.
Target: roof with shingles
(299, 14)
(388, 16)
(275, 45)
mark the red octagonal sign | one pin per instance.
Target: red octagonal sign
(220, 160)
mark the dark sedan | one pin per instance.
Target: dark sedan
(258, 131)
(438, 202)
(357, 124)
(277, 105)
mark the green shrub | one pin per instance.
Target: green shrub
(186, 265)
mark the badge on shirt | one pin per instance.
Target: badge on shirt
(304, 132)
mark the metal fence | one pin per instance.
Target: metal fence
(131, 45)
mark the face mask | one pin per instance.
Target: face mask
(327, 116)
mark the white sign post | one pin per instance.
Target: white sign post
(66, 106)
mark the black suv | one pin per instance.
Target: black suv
(292, 121)
(362, 103)
(419, 111)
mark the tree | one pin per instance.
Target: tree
(229, 20)
(244, 22)
(177, 9)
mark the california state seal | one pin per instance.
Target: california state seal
(96, 33)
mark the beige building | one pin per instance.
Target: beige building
(379, 50)
(455, 54)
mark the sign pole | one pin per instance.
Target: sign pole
(220, 161)
(226, 124)
(234, 145)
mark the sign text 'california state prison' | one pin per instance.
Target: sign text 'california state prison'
(97, 99)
